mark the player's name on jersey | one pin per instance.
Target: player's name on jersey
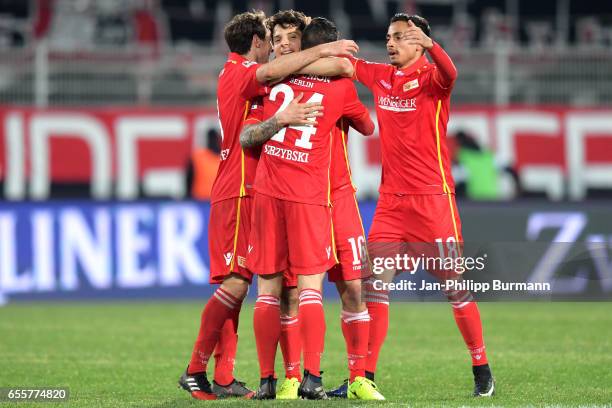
(467, 284)
(287, 154)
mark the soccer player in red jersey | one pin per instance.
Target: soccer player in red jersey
(291, 224)
(417, 200)
(286, 28)
(242, 79)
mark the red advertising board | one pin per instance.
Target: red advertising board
(557, 149)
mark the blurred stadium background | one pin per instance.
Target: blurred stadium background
(108, 148)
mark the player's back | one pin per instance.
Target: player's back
(236, 87)
(295, 163)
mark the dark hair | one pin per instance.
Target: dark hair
(319, 31)
(418, 21)
(240, 30)
(286, 19)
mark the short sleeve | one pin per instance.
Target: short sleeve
(247, 78)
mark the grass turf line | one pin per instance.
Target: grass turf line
(131, 354)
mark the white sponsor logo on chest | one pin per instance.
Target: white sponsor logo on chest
(395, 104)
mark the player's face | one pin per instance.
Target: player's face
(264, 50)
(286, 40)
(400, 52)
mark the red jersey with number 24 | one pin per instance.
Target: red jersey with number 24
(295, 162)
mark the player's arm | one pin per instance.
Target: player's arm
(330, 66)
(295, 114)
(368, 72)
(363, 124)
(446, 73)
(288, 64)
(356, 112)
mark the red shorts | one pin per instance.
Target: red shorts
(350, 240)
(415, 218)
(415, 224)
(292, 237)
(228, 234)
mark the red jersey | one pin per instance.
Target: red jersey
(412, 107)
(295, 162)
(341, 181)
(237, 86)
(340, 171)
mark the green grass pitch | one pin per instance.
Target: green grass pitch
(131, 354)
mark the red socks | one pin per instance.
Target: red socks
(225, 353)
(355, 328)
(266, 323)
(291, 346)
(220, 307)
(468, 321)
(377, 302)
(312, 329)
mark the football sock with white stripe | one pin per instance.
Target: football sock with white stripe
(291, 346)
(217, 311)
(467, 317)
(267, 327)
(225, 352)
(312, 329)
(377, 302)
(355, 328)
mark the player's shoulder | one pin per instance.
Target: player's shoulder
(377, 66)
(237, 65)
(427, 68)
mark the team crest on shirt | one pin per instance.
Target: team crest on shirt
(411, 85)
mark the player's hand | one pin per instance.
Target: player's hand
(414, 35)
(339, 48)
(297, 114)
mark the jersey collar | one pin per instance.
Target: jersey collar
(235, 58)
(415, 66)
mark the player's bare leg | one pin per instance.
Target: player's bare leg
(290, 343)
(351, 296)
(267, 327)
(221, 311)
(312, 332)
